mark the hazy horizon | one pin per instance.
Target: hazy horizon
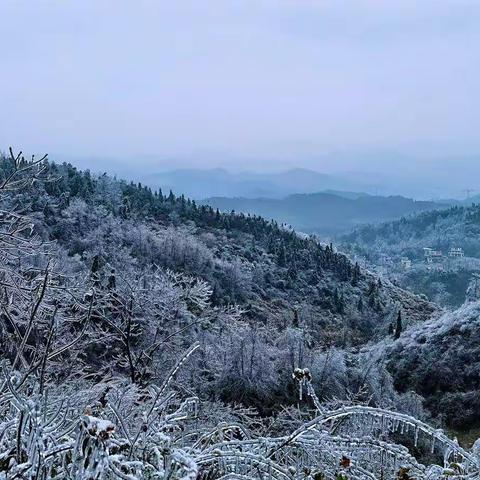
(330, 86)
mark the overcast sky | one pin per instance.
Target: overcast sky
(212, 83)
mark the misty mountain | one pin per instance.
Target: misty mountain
(200, 184)
(438, 179)
(326, 213)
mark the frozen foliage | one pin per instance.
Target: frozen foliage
(127, 434)
(440, 359)
(89, 389)
(136, 433)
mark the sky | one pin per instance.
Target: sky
(327, 84)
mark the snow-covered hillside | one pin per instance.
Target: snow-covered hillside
(440, 359)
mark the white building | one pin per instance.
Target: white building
(406, 263)
(432, 256)
(456, 252)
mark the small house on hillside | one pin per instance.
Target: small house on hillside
(432, 256)
(406, 263)
(456, 252)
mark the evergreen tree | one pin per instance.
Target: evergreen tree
(335, 297)
(341, 304)
(339, 301)
(360, 305)
(112, 282)
(355, 274)
(296, 321)
(398, 328)
(281, 256)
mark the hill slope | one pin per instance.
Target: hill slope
(437, 229)
(296, 295)
(440, 359)
(445, 281)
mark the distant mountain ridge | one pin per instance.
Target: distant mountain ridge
(200, 184)
(326, 213)
(197, 177)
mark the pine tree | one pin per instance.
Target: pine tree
(95, 270)
(341, 304)
(398, 328)
(296, 321)
(281, 256)
(355, 274)
(112, 282)
(360, 305)
(335, 297)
